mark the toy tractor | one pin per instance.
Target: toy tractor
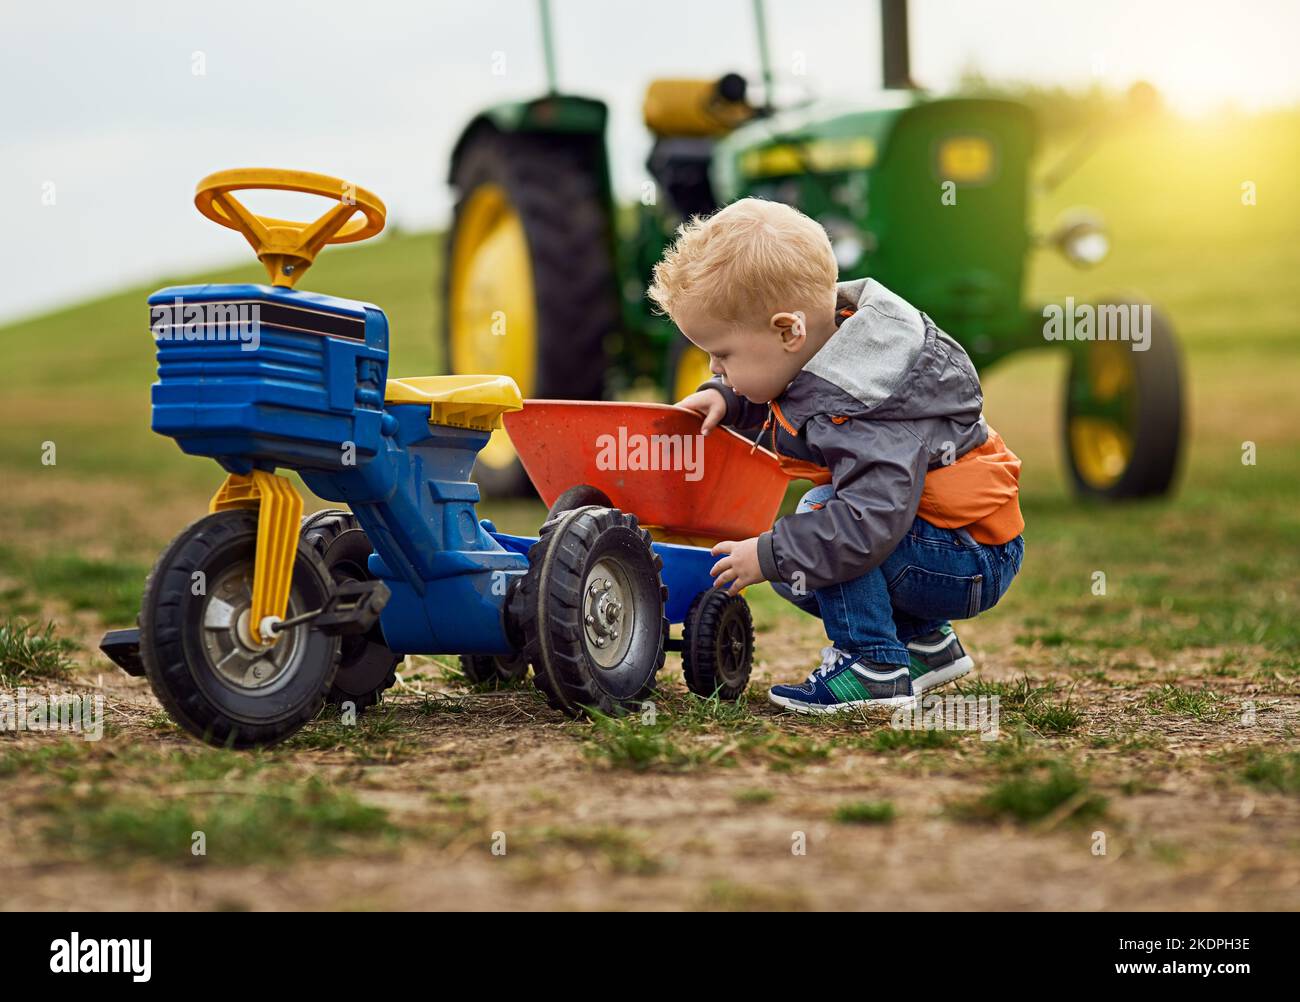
(545, 281)
(254, 616)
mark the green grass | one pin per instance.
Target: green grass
(1275, 771)
(689, 733)
(1179, 701)
(888, 739)
(109, 587)
(1036, 794)
(249, 805)
(1029, 702)
(867, 812)
(28, 653)
(259, 824)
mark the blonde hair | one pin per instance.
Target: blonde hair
(746, 262)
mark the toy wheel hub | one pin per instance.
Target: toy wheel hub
(608, 618)
(231, 651)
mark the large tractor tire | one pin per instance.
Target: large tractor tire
(1124, 415)
(529, 288)
(688, 367)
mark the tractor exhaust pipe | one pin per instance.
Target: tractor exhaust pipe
(894, 46)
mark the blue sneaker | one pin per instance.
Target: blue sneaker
(937, 658)
(845, 681)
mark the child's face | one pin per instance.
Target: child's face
(758, 362)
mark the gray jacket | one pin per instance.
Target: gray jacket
(887, 398)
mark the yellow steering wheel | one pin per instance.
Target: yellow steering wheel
(286, 248)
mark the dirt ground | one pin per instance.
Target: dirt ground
(492, 800)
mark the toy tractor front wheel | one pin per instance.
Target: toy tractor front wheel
(204, 666)
(1123, 414)
(591, 612)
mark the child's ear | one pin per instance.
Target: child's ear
(792, 327)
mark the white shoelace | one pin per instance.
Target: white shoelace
(830, 658)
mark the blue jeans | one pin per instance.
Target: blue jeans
(933, 575)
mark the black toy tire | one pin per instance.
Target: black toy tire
(718, 645)
(494, 670)
(171, 639)
(548, 607)
(579, 496)
(367, 668)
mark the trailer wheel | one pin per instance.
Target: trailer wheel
(1124, 415)
(367, 668)
(718, 645)
(484, 669)
(529, 289)
(591, 611)
(194, 641)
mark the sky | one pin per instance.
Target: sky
(111, 111)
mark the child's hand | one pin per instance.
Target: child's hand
(710, 404)
(739, 567)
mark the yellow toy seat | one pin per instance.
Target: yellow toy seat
(460, 401)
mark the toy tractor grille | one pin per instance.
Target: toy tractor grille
(249, 378)
(174, 321)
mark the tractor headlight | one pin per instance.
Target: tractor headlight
(1082, 238)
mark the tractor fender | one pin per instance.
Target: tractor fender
(583, 118)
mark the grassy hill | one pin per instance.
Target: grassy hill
(80, 377)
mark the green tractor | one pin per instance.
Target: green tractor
(545, 279)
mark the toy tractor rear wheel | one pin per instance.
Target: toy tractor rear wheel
(529, 282)
(499, 671)
(204, 667)
(591, 611)
(718, 645)
(1123, 415)
(367, 668)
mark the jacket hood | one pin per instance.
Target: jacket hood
(887, 361)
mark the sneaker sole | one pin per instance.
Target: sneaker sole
(813, 709)
(932, 680)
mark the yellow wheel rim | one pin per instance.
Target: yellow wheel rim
(692, 370)
(1100, 437)
(493, 310)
